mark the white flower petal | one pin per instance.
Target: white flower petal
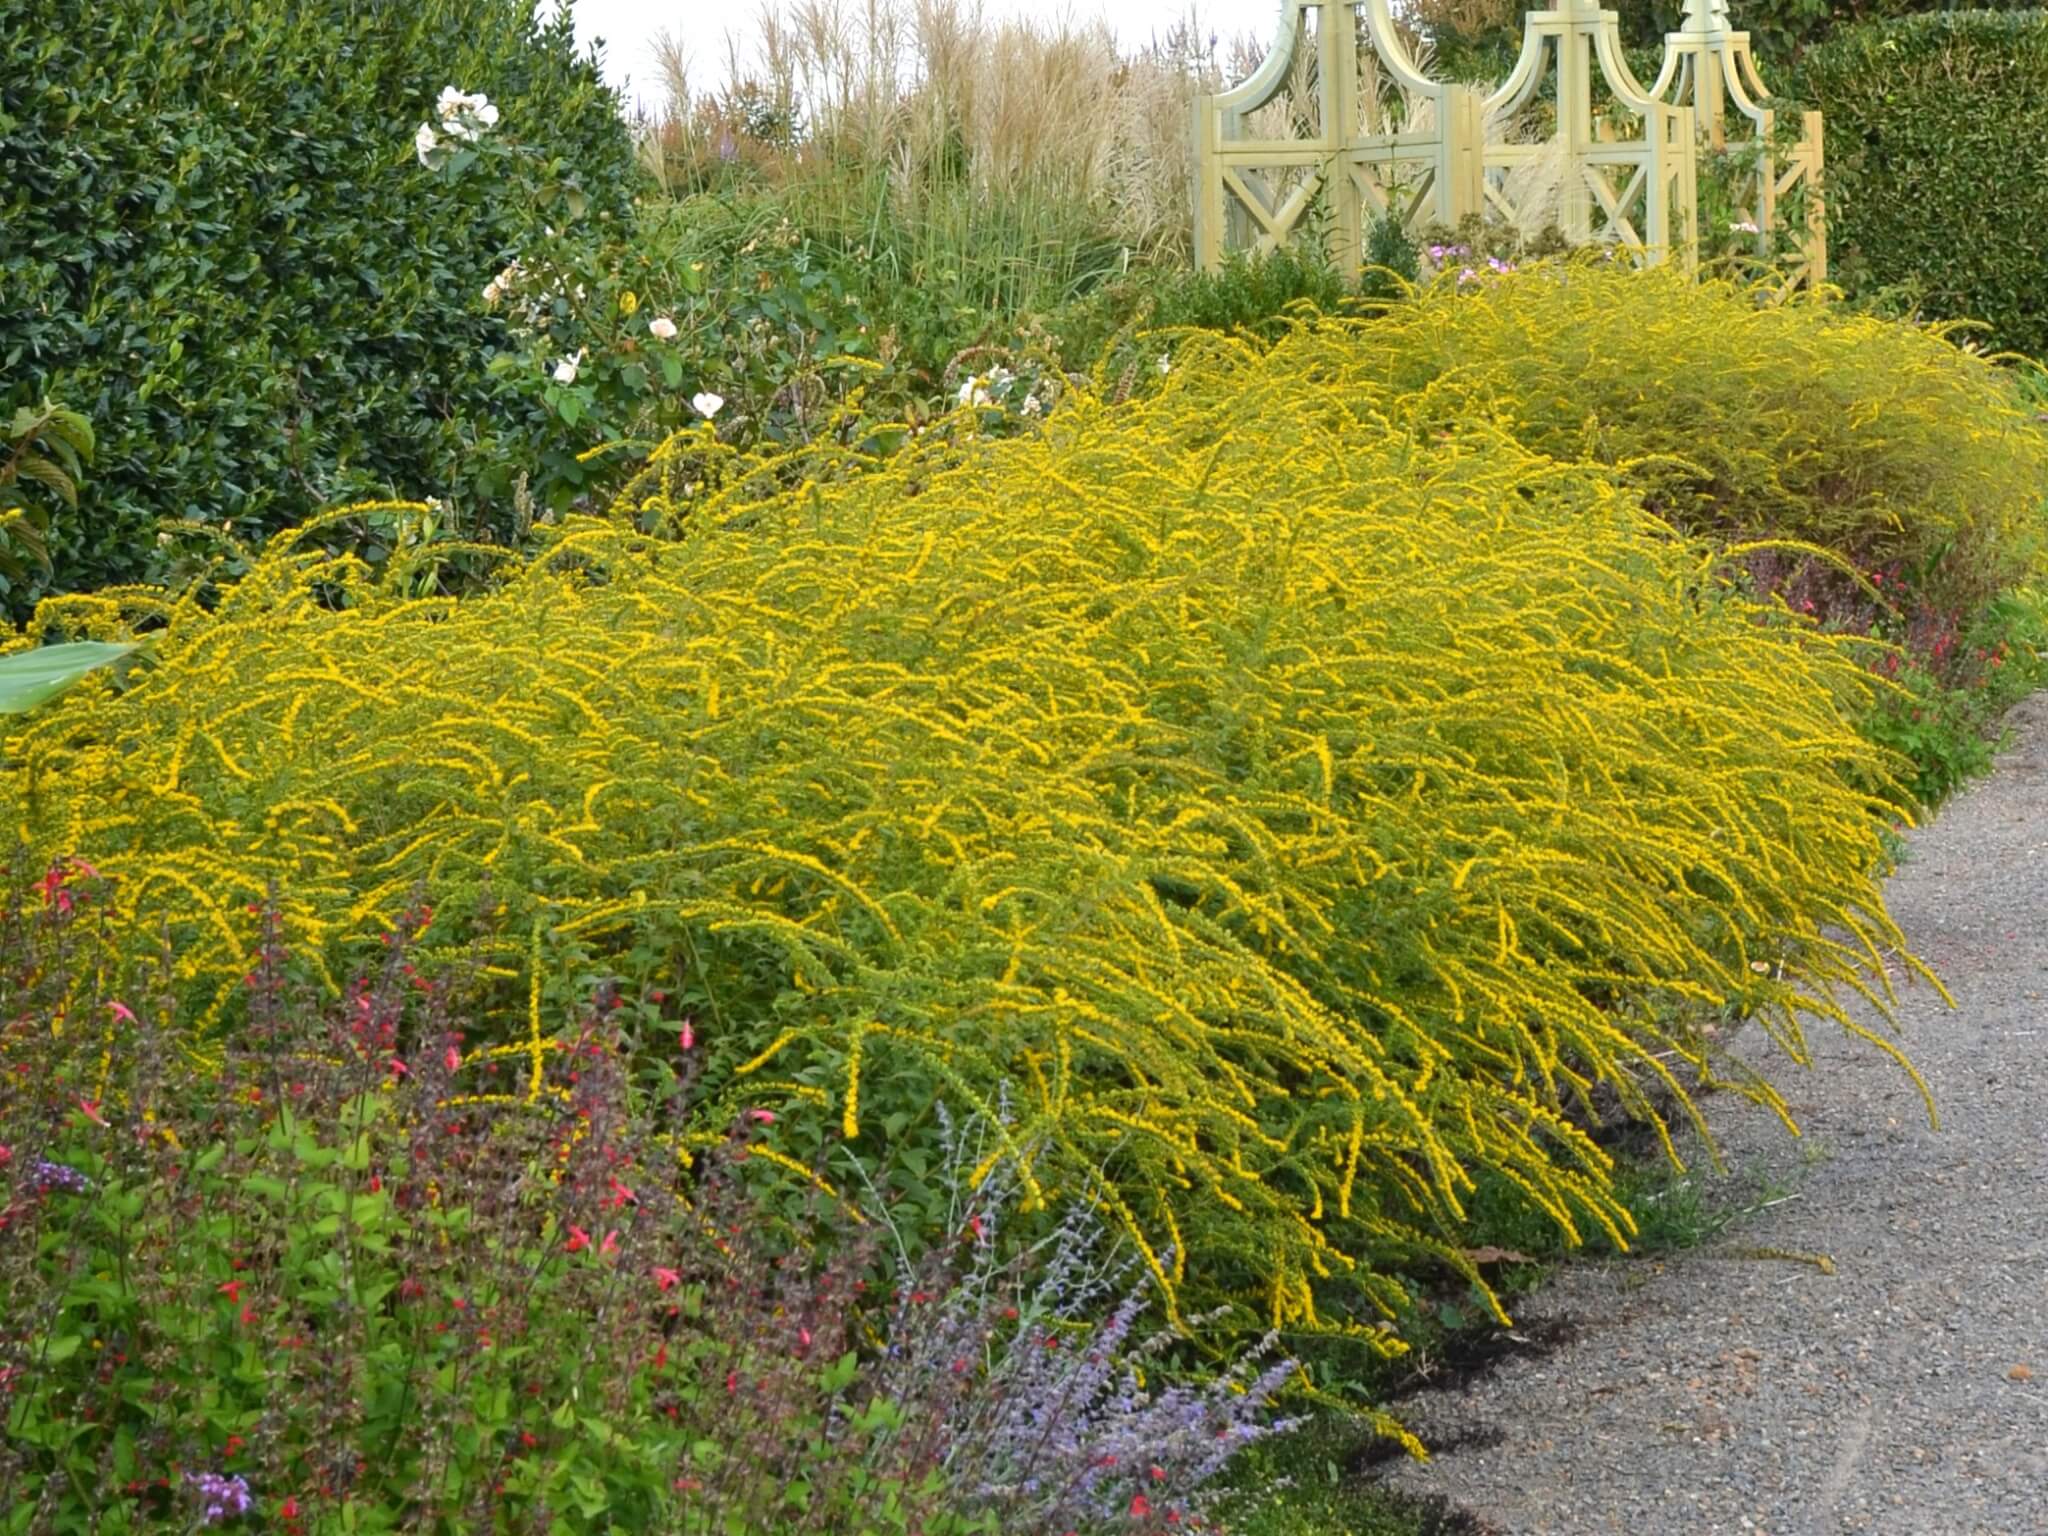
(663, 327)
(707, 404)
(565, 371)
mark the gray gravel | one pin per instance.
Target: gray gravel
(1905, 1394)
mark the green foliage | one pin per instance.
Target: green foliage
(29, 678)
(1196, 768)
(1252, 293)
(47, 448)
(1782, 30)
(1944, 719)
(1317, 1482)
(1937, 176)
(1392, 258)
(1878, 443)
(220, 247)
(315, 1285)
(375, 1312)
(759, 320)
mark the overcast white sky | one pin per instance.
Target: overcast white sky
(629, 26)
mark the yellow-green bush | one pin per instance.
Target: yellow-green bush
(1299, 809)
(1886, 444)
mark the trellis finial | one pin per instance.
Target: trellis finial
(1706, 16)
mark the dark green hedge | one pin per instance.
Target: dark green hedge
(1782, 31)
(216, 241)
(1937, 175)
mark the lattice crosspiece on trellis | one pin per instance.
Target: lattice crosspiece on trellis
(1625, 166)
(1369, 135)
(1707, 64)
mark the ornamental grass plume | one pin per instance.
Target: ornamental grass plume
(1307, 796)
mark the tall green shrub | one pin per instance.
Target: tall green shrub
(1480, 42)
(218, 244)
(1784, 29)
(1938, 164)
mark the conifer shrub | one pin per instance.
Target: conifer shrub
(1297, 801)
(1884, 444)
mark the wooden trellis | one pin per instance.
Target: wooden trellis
(1707, 64)
(1634, 190)
(1418, 161)
(1622, 158)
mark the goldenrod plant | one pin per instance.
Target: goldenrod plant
(1888, 445)
(1297, 797)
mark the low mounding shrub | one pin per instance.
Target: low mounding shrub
(1937, 171)
(220, 248)
(1302, 798)
(316, 1290)
(1883, 444)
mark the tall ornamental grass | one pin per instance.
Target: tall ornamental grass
(1007, 163)
(1299, 797)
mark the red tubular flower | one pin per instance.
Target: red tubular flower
(1140, 1506)
(578, 1240)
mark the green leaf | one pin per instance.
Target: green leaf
(32, 678)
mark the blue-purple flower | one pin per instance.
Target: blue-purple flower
(46, 1176)
(220, 1497)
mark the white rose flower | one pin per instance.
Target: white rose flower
(662, 328)
(426, 143)
(707, 404)
(565, 370)
(450, 101)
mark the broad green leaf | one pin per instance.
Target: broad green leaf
(31, 678)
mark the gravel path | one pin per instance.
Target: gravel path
(1905, 1394)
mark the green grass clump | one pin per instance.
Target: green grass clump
(1297, 804)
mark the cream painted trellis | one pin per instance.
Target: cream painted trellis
(1418, 161)
(1707, 64)
(1635, 191)
(1623, 171)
